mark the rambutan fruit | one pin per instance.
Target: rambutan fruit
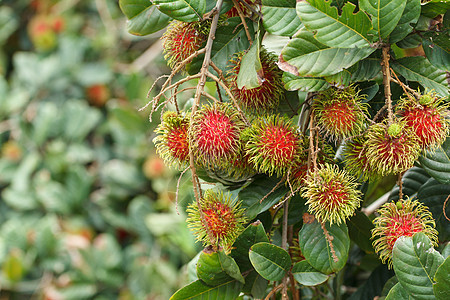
(404, 218)
(172, 142)
(355, 159)
(339, 113)
(390, 149)
(331, 194)
(181, 40)
(427, 118)
(217, 220)
(265, 97)
(273, 145)
(215, 132)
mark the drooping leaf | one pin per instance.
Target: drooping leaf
(437, 52)
(306, 56)
(199, 290)
(437, 163)
(254, 233)
(412, 181)
(143, 17)
(433, 194)
(183, 10)
(411, 41)
(280, 17)
(415, 263)
(366, 69)
(316, 248)
(345, 31)
(249, 76)
(339, 80)
(421, 70)
(215, 268)
(442, 277)
(306, 275)
(359, 230)
(304, 84)
(270, 261)
(410, 15)
(385, 14)
(398, 293)
(255, 285)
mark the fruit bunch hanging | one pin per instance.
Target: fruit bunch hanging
(301, 112)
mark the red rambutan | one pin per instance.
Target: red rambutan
(273, 145)
(339, 113)
(427, 118)
(264, 97)
(404, 218)
(172, 139)
(215, 133)
(222, 221)
(332, 194)
(355, 159)
(181, 40)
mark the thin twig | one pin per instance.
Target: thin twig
(178, 188)
(387, 82)
(251, 8)
(219, 72)
(273, 291)
(404, 87)
(241, 15)
(376, 204)
(209, 96)
(443, 208)
(218, 92)
(273, 189)
(379, 112)
(400, 185)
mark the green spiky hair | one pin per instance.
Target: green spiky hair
(273, 145)
(339, 113)
(268, 94)
(404, 218)
(332, 194)
(181, 40)
(391, 150)
(172, 139)
(355, 159)
(222, 222)
(216, 132)
(427, 117)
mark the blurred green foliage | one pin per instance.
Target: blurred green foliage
(86, 206)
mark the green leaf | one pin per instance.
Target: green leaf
(316, 248)
(255, 285)
(359, 230)
(398, 293)
(437, 163)
(442, 277)
(304, 84)
(346, 31)
(437, 52)
(373, 286)
(199, 290)
(410, 16)
(143, 17)
(249, 73)
(385, 14)
(270, 261)
(215, 268)
(252, 194)
(366, 70)
(421, 70)
(433, 195)
(306, 56)
(254, 233)
(280, 17)
(415, 263)
(183, 10)
(411, 41)
(306, 275)
(230, 39)
(339, 80)
(434, 8)
(412, 181)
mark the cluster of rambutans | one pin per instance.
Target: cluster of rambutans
(220, 142)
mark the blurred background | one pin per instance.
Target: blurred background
(86, 206)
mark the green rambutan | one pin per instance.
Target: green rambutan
(181, 40)
(264, 97)
(223, 218)
(171, 141)
(390, 150)
(355, 159)
(331, 194)
(273, 145)
(339, 113)
(427, 118)
(216, 135)
(404, 218)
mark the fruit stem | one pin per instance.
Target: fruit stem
(284, 245)
(241, 15)
(387, 82)
(404, 87)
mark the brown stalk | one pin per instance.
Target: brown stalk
(387, 82)
(241, 15)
